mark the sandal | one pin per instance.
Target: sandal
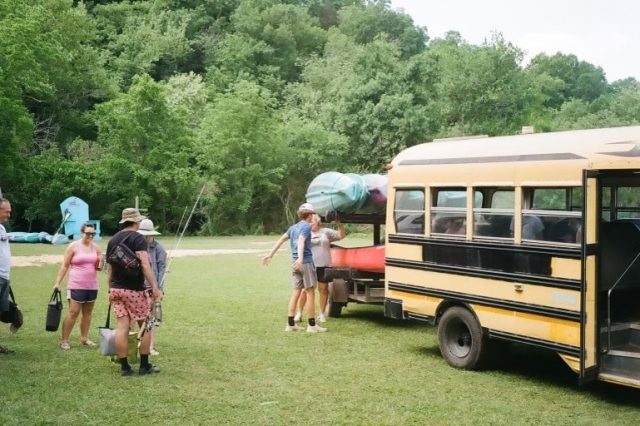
(89, 343)
(65, 346)
(5, 350)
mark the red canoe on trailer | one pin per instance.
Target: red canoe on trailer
(370, 258)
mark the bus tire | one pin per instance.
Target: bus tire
(335, 309)
(463, 344)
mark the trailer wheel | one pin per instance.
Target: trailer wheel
(335, 309)
(462, 342)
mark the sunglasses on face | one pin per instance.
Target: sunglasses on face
(90, 234)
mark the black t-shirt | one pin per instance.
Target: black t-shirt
(119, 279)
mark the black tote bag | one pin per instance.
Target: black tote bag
(54, 311)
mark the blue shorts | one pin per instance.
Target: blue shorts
(82, 296)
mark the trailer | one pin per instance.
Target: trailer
(357, 274)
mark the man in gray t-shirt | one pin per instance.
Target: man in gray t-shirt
(5, 261)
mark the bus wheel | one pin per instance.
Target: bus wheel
(462, 341)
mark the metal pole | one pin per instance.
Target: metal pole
(182, 234)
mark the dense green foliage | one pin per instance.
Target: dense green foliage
(250, 99)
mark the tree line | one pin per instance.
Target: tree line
(250, 99)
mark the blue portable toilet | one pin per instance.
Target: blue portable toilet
(75, 213)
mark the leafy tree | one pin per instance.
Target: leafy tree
(479, 89)
(575, 79)
(327, 10)
(58, 178)
(241, 151)
(186, 95)
(143, 37)
(365, 23)
(365, 93)
(267, 44)
(55, 72)
(148, 152)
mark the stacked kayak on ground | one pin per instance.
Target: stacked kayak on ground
(37, 237)
(334, 193)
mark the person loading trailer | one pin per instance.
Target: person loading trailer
(303, 276)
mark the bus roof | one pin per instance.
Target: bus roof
(615, 147)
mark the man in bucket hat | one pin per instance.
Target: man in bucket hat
(303, 276)
(127, 292)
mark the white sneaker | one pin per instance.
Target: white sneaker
(321, 318)
(291, 328)
(297, 317)
(315, 329)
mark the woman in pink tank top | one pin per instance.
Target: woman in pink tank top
(82, 260)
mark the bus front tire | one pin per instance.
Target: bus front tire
(463, 344)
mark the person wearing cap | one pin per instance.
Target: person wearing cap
(303, 276)
(5, 262)
(321, 239)
(127, 294)
(158, 261)
(82, 261)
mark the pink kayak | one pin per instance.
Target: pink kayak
(370, 258)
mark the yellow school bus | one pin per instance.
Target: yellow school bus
(532, 239)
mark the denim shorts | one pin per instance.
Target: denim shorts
(82, 296)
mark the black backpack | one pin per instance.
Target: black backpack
(125, 258)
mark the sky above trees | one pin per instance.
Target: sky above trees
(604, 33)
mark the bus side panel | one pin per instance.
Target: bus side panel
(515, 293)
(589, 320)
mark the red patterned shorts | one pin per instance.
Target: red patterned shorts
(134, 304)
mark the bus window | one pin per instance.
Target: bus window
(628, 202)
(495, 220)
(408, 213)
(606, 203)
(449, 211)
(552, 214)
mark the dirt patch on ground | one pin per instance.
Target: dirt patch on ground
(48, 259)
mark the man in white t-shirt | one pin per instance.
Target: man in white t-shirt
(5, 262)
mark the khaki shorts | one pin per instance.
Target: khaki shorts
(306, 278)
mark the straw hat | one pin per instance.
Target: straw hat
(131, 215)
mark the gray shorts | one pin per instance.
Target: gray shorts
(306, 278)
(4, 295)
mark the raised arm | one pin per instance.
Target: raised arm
(274, 249)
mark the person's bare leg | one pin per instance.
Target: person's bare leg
(323, 289)
(85, 321)
(311, 302)
(69, 322)
(122, 337)
(293, 301)
(145, 343)
(153, 341)
(302, 300)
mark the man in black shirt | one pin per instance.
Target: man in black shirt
(127, 293)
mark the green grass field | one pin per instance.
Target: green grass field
(225, 359)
